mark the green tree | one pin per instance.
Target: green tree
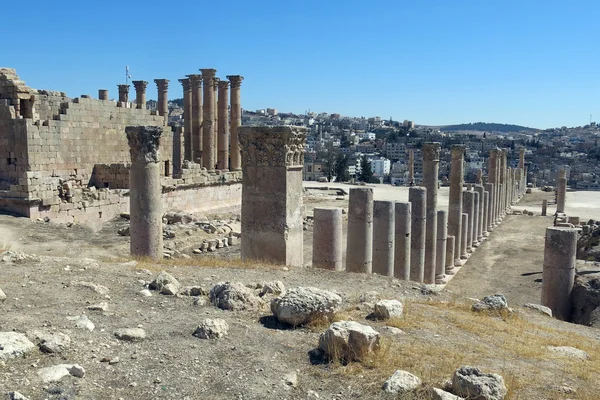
(366, 172)
(341, 168)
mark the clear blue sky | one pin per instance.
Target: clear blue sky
(529, 62)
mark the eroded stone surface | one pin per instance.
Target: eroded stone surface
(301, 305)
(349, 340)
(401, 382)
(234, 296)
(14, 344)
(472, 383)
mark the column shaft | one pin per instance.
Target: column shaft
(455, 197)
(223, 126)
(442, 237)
(431, 160)
(480, 211)
(196, 117)
(402, 241)
(359, 250)
(450, 270)
(187, 120)
(327, 239)
(544, 207)
(417, 199)
(208, 123)
(490, 188)
(140, 94)
(464, 235)
(383, 237)
(235, 120)
(469, 209)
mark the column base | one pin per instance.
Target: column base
(441, 281)
(475, 244)
(450, 270)
(464, 257)
(481, 238)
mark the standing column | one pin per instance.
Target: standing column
(196, 120)
(359, 249)
(561, 194)
(383, 238)
(442, 237)
(327, 239)
(208, 122)
(140, 93)
(402, 241)
(558, 274)
(123, 93)
(273, 159)
(103, 94)
(479, 179)
(450, 270)
(216, 122)
(493, 179)
(475, 216)
(163, 98)
(235, 120)
(464, 237)
(489, 187)
(486, 207)
(223, 126)
(416, 197)
(480, 210)
(187, 119)
(145, 203)
(504, 181)
(431, 161)
(455, 198)
(469, 209)
(411, 167)
(518, 183)
(522, 158)
(544, 207)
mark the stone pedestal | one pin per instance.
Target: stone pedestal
(558, 275)
(431, 161)
(469, 209)
(163, 98)
(208, 120)
(196, 119)
(223, 126)
(450, 269)
(544, 207)
(417, 199)
(235, 120)
(383, 237)
(455, 197)
(464, 235)
(187, 120)
(103, 94)
(359, 250)
(440, 249)
(327, 239)
(402, 241)
(123, 93)
(145, 190)
(272, 224)
(140, 94)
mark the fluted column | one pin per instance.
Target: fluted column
(208, 123)
(163, 98)
(455, 198)
(493, 179)
(235, 121)
(123, 93)
(140, 93)
(431, 161)
(223, 126)
(187, 119)
(196, 120)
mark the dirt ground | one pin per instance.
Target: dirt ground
(440, 333)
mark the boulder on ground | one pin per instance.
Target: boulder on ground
(13, 345)
(15, 396)
(2, 296)
(50, 342)
(386, 309)
(130, 334)
(568, 351)
(302, 305)
(493, 302)
(165, 283)
(471, 383)
(57, 372)
(538, 307)
(275, 288)
(401, 382)
(82, 322)
(439, 394)
(212, 329)
(349, 341)
(234, 296)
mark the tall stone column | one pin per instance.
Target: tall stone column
(208, 120)
(140, 93)
(440, 249)
(196, 120)
(469, 209)
(489, 187)
(519, 183)
(123, 93)
(411, 167)
(455, 198)
(486, 207)
(558, 274)
(561, 193)
(544, 207)
(450, 270)
(402, 241)
(464, 237)
(272, 226)
(480, 210)
(216, 122)
(417, 199)
(223, 126)
(479, 179)
(493, 179)
(476, 205)
(431, 161)
(187, 119)
(383, 237)
(359, 249)
(145, 203)
(102, 94)
(235, 120)
(163, 98)
(327, 239)
(522, 158)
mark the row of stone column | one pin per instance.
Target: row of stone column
(140, 95)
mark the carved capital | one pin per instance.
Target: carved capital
(162, 84)
(144, 142)
(236, 80)
(215, 83)
(208, 75)
(187, 85)
(223, 84)
(278, 146)
(195, 80)
(123, 88)
(140, 86)
(458, 151)
(431, 151)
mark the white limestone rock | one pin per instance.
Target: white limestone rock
(15, 396)
(82, 322)
(568, 351)
(470, 382)
(386, 309)
(538, 307)
(57, 372)
(302, 305)
(493, 302)
(131, 334)
(102, 306)
(13, 345)
(349, 340)
(234, 296)
(2, 296)
(165, 283)
(103, 290)
(401, 382)
(439, 394)
(50, 342)
(275, 288)
(212, 329)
